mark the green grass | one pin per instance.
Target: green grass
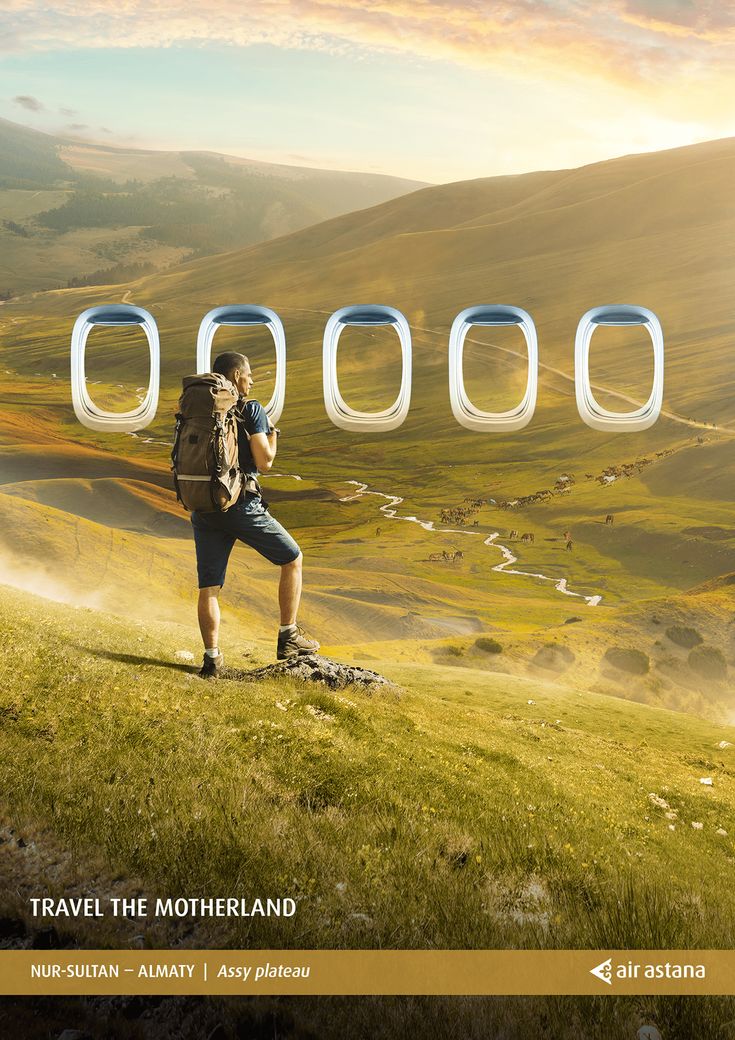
(473, 811)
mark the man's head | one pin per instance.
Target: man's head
(236, 368)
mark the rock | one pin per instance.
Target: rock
(74, 1034)
(648, 1033)
(184, 655)
(572, 620)
(554, 657)
(706, 780)
(318, 669)
(724, 744)
(684, 636)
(626, 659)
(708, 662)
(361, 918)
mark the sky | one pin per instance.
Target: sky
(433, 90)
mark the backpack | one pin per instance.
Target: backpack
(204, 459)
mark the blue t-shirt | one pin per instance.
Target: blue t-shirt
(255, 420)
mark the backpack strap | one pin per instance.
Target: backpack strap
(175, 456)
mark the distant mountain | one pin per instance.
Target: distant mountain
(74, 213)
(654, 229)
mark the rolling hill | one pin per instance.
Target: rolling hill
(651, 229)
(73, 212)
(555, 769)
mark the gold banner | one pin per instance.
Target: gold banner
(360, 972)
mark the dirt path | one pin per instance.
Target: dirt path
(390, 510)
(674, 416)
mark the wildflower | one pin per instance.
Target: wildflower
(721, 830)
(657, 800)
(697, 826)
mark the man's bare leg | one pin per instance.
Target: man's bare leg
(208, 614)
(291, 640)
(289, 591)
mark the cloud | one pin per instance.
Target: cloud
(626, 42)
(27, 101)
(703, 20)
(77, 126)
(68, 112)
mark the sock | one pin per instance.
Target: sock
(286, 628)
(212, 651)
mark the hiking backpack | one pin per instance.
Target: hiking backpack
(204, 459)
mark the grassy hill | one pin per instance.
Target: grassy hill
(468, 810)
(76, 213)
(504, 798)
(654, 229)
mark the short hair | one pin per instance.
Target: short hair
(226, 363)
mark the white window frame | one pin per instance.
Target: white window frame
(464, 411)
(86, 411)
(246, 314)
(338, 411)
(589, 408)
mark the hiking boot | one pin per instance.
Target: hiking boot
(212, 666)
(295, 643)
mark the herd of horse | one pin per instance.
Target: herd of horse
(527, 538)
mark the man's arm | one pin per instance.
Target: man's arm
(263, 447)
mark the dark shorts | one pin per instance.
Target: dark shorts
(250, 522)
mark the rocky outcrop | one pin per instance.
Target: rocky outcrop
(317, 669)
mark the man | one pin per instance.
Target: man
(249, 521)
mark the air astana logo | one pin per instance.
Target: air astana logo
(608, 972)
(603, 971)
(338, 411)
